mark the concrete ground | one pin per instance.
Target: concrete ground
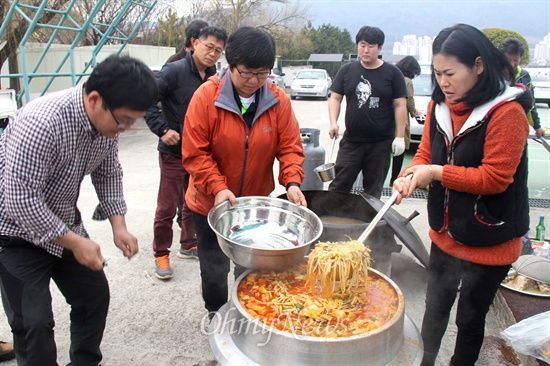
(156, 323)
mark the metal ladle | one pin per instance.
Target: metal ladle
(332, 148)
(326, 171)
(380, 214)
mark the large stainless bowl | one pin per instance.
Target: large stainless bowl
(264, 233)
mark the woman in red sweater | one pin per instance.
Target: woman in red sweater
(473, 157)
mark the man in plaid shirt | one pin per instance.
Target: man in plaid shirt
(48, 148)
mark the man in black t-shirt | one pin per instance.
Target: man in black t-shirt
(376, 115)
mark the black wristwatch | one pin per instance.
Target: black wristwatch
(292, 184)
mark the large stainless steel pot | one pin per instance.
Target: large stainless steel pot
(238, 338)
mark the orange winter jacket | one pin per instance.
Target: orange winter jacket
(220, 151)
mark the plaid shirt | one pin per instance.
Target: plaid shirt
(45, 152)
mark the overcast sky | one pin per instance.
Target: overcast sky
(530, 18)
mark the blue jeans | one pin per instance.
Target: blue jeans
(25, 273)
(477, 285)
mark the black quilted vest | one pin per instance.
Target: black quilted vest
(473, 219)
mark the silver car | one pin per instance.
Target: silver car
(422, 95)
(276, 77)
(311, 83)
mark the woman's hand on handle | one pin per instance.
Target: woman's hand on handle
(422, 176)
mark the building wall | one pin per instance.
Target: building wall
(150, 55)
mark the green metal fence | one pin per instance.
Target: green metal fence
(109, 33)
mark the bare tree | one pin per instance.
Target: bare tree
(106, 16)
(110, 11)
(283, 19)
(275, 16)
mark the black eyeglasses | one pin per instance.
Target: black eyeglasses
(250, 75)
(212, 48)
(120, 126)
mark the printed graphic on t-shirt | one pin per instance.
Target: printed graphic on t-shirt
(374, 102)
(363, 92)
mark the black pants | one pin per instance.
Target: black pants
(397, 165)
(25, 273)
(478, 286)
(214, 264)
(372, 158)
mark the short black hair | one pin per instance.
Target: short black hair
(371, 35)
(123, 81)
(193, 29)
(254, 48)
(409, 67)
(512, 46)
(218, 33)
(466, 44)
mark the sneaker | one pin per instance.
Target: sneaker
(162, 268)
(6, 351)
(188, 253)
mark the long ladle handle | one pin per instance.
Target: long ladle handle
(332, 148)
(380, 214)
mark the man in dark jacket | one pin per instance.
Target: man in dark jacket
(177, 81)
(192, 32)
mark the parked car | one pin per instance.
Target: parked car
(311, 83)
(541, 82)
(8, 107)
(422, 95)
(276, 77)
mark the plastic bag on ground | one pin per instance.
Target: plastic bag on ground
(531, 336)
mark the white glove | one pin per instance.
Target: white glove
(398, 146)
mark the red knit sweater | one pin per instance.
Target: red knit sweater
(506, 136)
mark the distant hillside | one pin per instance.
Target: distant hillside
(398, 18)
